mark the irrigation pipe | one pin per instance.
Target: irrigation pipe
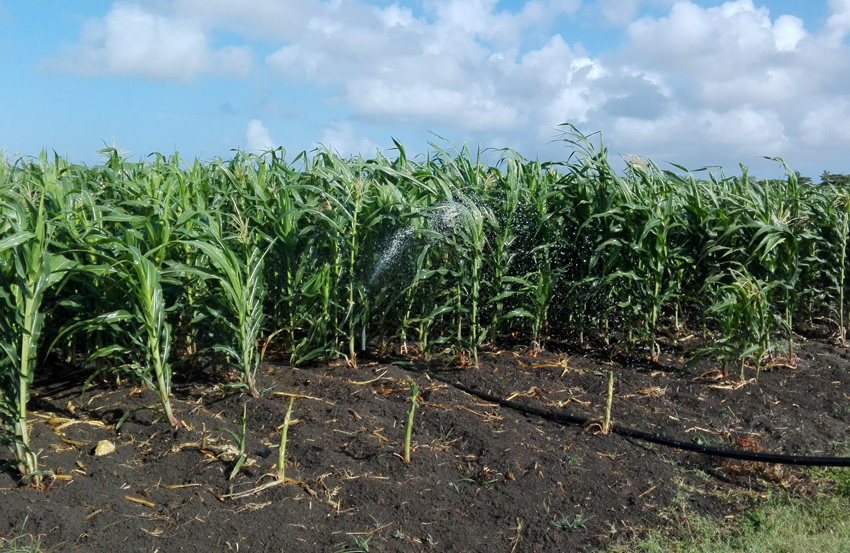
(561, 418)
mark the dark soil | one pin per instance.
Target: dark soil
(481, 477)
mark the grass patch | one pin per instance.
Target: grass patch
(783, 523)
(20, 544)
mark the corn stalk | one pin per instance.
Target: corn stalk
(28, 269)
(242, 293)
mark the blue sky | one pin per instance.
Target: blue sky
(690, 82)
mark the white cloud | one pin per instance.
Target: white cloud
(737, 80)
(257, 137)
(733, 78)
(394, 15)
(295, 61)
(827, 124)
(699, 138)
(256, 19)
(618, 13)
(788, 31)
(130, 41)
(711, 42)
(748, 131)
(772, 86)
(575, 93)
(447, 71)
(442, 72)
(341, 138)
(838, 24)
(481, 18)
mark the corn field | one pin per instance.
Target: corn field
(134, 269)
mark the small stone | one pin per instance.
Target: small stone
(104, 447)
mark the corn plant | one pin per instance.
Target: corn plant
(139, 328)
(743, 312)
(425, 283)
(593, 218)
(639, 259)
(537, 289)
(464, 223)
(840, 213)
(289, 263)
(136, 251)
(505, 195)
(694, 237)
(523, 268)
(242, 285)
(408, 426)
(780, 243)
(347, 220)
(149, 309)
(29, 267)
(443, 251)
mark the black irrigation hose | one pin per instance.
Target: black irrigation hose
(800, 460)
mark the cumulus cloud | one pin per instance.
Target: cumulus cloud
(400, 68)
(788, 31)
(748, 131)
(827, 124)
(728, 75)
(838, 24)
(130, 41)
(636, 96)
(257, 137)
(734, 77)
(696, 138)
(268, 20)
(714, 42)
(618, 13)
(739, 79)
(340, 137)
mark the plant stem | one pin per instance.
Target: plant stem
(281, 455)
(408, 428)
(606, 423)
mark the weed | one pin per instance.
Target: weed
(23, 543)
(241, 456)
(573, 461)
(842, 446)
(455, 487)
(564, 522)
(355, 544)
(20, 544)
(445, 435)
(841, 410)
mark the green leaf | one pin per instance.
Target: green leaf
(16, 239)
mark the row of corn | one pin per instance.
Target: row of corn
(133, 268)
